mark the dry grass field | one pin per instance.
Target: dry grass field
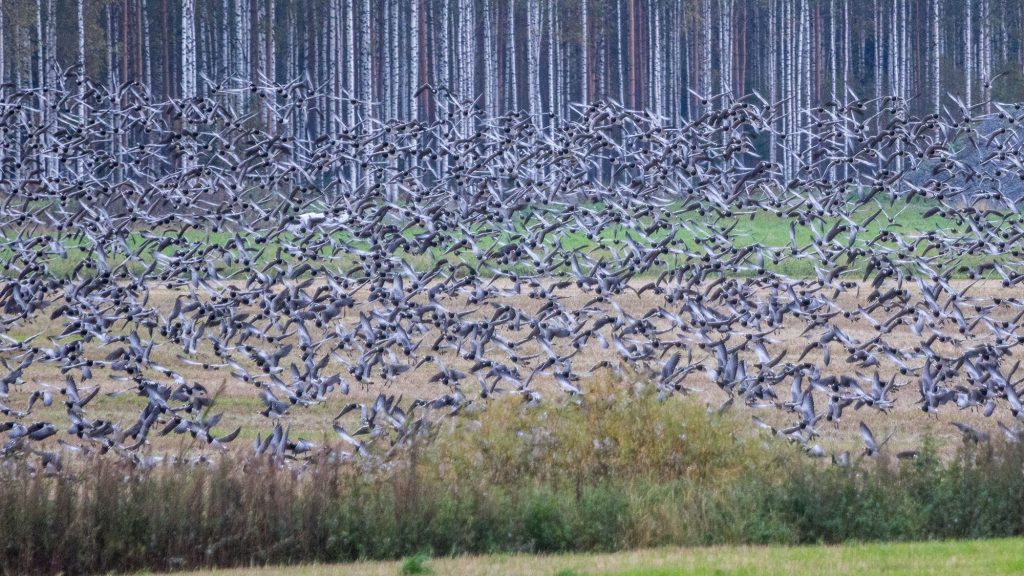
(241, 404)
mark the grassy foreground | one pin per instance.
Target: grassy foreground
(619, 472)
(964, 557)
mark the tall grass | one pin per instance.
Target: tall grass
(620, 471)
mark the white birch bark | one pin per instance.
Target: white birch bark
(705, 73)
(445, 77)
(243, 69)
(553, 76)
(512, 102)
(986, 54)
(894, 55)
(584, 55)
(365, 89)
(3, 45)
(786, 80)
(835, 49)
(905, 66)
(772, 71)
(81, 57)
(805, 70)
(40, 48)
(385, 66)
(533, 55)
(659, 69)
(81, 74)
(725, 47)
(968, 55)
(271, 41)
(468, 66)
(619, 50)
(111, 70)
(188, 49)
(414, 59)
(350, 62)
(936, 59)
(147, 60)
(334, 64)
(846, 83)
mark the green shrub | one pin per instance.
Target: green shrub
(415, 565)
(622, 471)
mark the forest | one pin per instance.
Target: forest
(371, 57)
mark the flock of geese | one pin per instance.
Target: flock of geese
(154, 249)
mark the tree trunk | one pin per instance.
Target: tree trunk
(271, 46)
(416, 54)
(3, 45)
(554, 83)
(365, 90)
(40, 52)
(986, 55)
(936, 60)
(833, 71)
(772, 70)
(846, 83)
(968, 54)
(619, 49)
(725, 47)
(81, 58)
(445, 76)
(188, 49)
(632, 53)
(705, 73)
(584, 53)
(533, 55)
(350, 63)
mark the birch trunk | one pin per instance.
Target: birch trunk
(350, 63)
(584, 54)
(878, 51)
(936, 60)
(188, 49)
(772, 34)
(968, 54)
(40, 47)
(445, 73)
(619, 49)
(835, 49)
(365, 90)
(533, 55)
(846, 84)
(658, 66)
(725, 47)
(805, 70)
(81, 75)
(513, 97)
(414, 58)
(81, 59)
(553, 76)
(3, 45)
(632, 53)
(985, 41)
(469, 37)
(705, 73)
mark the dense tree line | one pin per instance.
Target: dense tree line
(541, 56)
